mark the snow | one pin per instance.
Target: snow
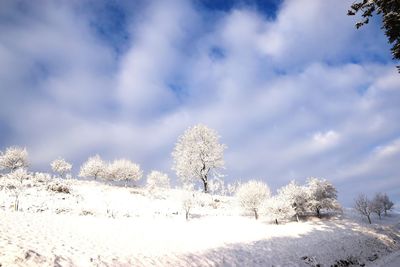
(99, 225)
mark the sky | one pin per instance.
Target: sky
(292, 88)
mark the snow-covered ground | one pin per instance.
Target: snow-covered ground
(103, 225)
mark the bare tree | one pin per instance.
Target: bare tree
(363, 206)
(387, 203)
(377, 205)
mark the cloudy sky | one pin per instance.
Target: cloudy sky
(291, 86)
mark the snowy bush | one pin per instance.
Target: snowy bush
(14, 158)
(363, 206)
(279, 208)
(61, 167)
(124, 170)
(296, 196)
(59, 187)
(321, 195)
(94, 167)
(251, 195)
(197, 155)
(157, 180)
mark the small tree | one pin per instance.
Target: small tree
(296, 196)
(279, 208)
(387, 204)
(363, 206)
(197, 155)
(321, 195)
(157, 179)
(188, 201)
(94, 167)
(251, 195)
(17, 179)
(61, 167)
(14, 158)
(124, 170)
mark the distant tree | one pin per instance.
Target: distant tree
(217, 186)
(157, 179)
(14, 158)
(61, 167)
(124, 170)
(377, 205)
(390, 11)
(321, 195)
(296, 196)
(197, 155)
(387, 204)
(94, 167)
(231, 188)
(252, 194)
(363, 206)
(279, 208)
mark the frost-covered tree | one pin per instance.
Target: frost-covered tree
(14, 158)
(296, 196)
(94, 167)
(188, 201)
(387, 203)
(124, 170)
(251, 195)
(377, 205)
(61, 167)
(363, 206)
(17, 179)
(321, 195)
(156, 179)
(279, 208)
(197, 155)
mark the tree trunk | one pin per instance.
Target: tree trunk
(16, 204)
(385, 212)
(205, 184)
(255, 214)
(187, 215)
(318, 213)
(379, 214)
(369, 219)
(276, 221)
(297, 217)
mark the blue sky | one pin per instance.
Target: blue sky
(291, 86)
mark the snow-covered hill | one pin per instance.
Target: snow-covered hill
(103, 225)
